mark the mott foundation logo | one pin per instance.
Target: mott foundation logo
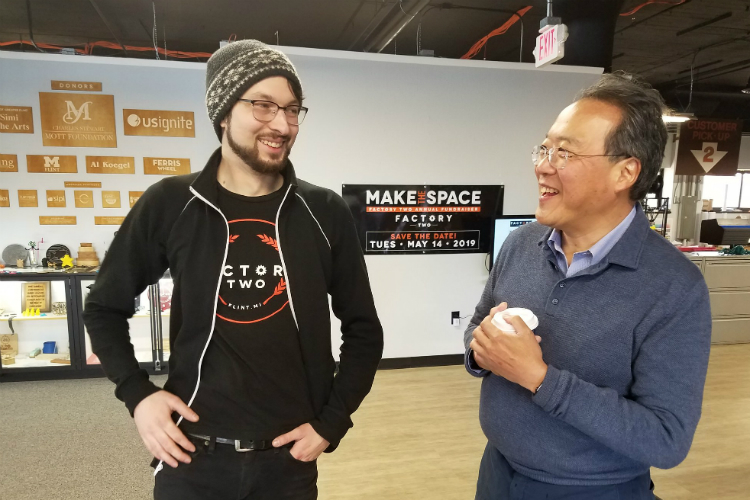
(27, 198)
(78, 120)
(8, 163)
(16, 120)
(4, 198)
(134, 196)
(166, 166)
(110, 165)
(43, 164)
(84, 199)
(158, 123)
(110, 199)
(56, 198)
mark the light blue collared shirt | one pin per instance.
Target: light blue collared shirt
(594, 255)
(581, 261)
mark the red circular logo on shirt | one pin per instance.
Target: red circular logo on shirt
(253, 285)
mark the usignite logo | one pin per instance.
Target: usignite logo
(148, 122)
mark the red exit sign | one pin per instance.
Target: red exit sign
(550, 45)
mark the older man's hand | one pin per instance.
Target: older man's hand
(514, 356)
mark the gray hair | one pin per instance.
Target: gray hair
(641, 134)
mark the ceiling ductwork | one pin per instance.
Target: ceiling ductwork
(591, 28)
(392, 23)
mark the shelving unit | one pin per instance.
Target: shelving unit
(6, 317)
(72, 339)
(658, 213)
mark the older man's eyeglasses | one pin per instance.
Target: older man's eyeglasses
(558, 157)
(265, 111)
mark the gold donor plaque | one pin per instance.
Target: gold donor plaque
(16, 120)
(40, 164)
(73, 184)
(108, 221)
(110, 199)
(78, 120)
(27, 198)
(77, 86)
(166, 166)
(35, 295)
(134, 196)
(5, 198)
(57, 220)
(110, 165)
(8, 163)
(56, 198)
(84, 199)
(158, 123)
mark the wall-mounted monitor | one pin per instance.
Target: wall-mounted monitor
(504, 225)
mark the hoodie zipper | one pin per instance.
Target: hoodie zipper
(281, 256)
(160, 466)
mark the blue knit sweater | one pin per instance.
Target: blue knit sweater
(627, 343)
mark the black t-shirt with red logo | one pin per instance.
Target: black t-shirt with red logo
(253, 383)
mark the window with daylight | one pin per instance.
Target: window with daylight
(736, 190)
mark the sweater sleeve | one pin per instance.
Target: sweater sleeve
(481, 311)
(352, 302)
(135, 259)
(656, 421)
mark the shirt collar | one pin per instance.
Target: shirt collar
(601, 248)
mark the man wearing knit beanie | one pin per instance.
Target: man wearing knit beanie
(251, 400)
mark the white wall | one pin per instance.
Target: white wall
(374, 119)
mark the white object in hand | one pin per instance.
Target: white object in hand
(526, 315)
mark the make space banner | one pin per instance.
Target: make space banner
(402, 219)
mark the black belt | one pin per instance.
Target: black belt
(239, 445)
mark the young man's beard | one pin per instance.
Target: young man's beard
(251, 156)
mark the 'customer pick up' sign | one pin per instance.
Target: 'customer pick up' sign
(709, 147)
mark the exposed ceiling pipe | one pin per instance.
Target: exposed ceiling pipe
(349, 22)
(399, 16)
(704, 24)
(106, 23)
(711, 73)
(636, 23)
(724, 96)
(31, 30)
(370, 28)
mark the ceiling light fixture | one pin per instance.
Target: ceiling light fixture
(746, 90)
(677, 118)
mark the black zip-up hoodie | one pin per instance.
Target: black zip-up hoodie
(177, 225)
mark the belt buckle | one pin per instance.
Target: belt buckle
(237, 447)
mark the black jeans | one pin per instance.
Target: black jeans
(225, 474)
(498, 481)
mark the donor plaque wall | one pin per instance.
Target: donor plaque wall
(375, 119)
(81, 139)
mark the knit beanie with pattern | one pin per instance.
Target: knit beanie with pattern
(238, 66)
